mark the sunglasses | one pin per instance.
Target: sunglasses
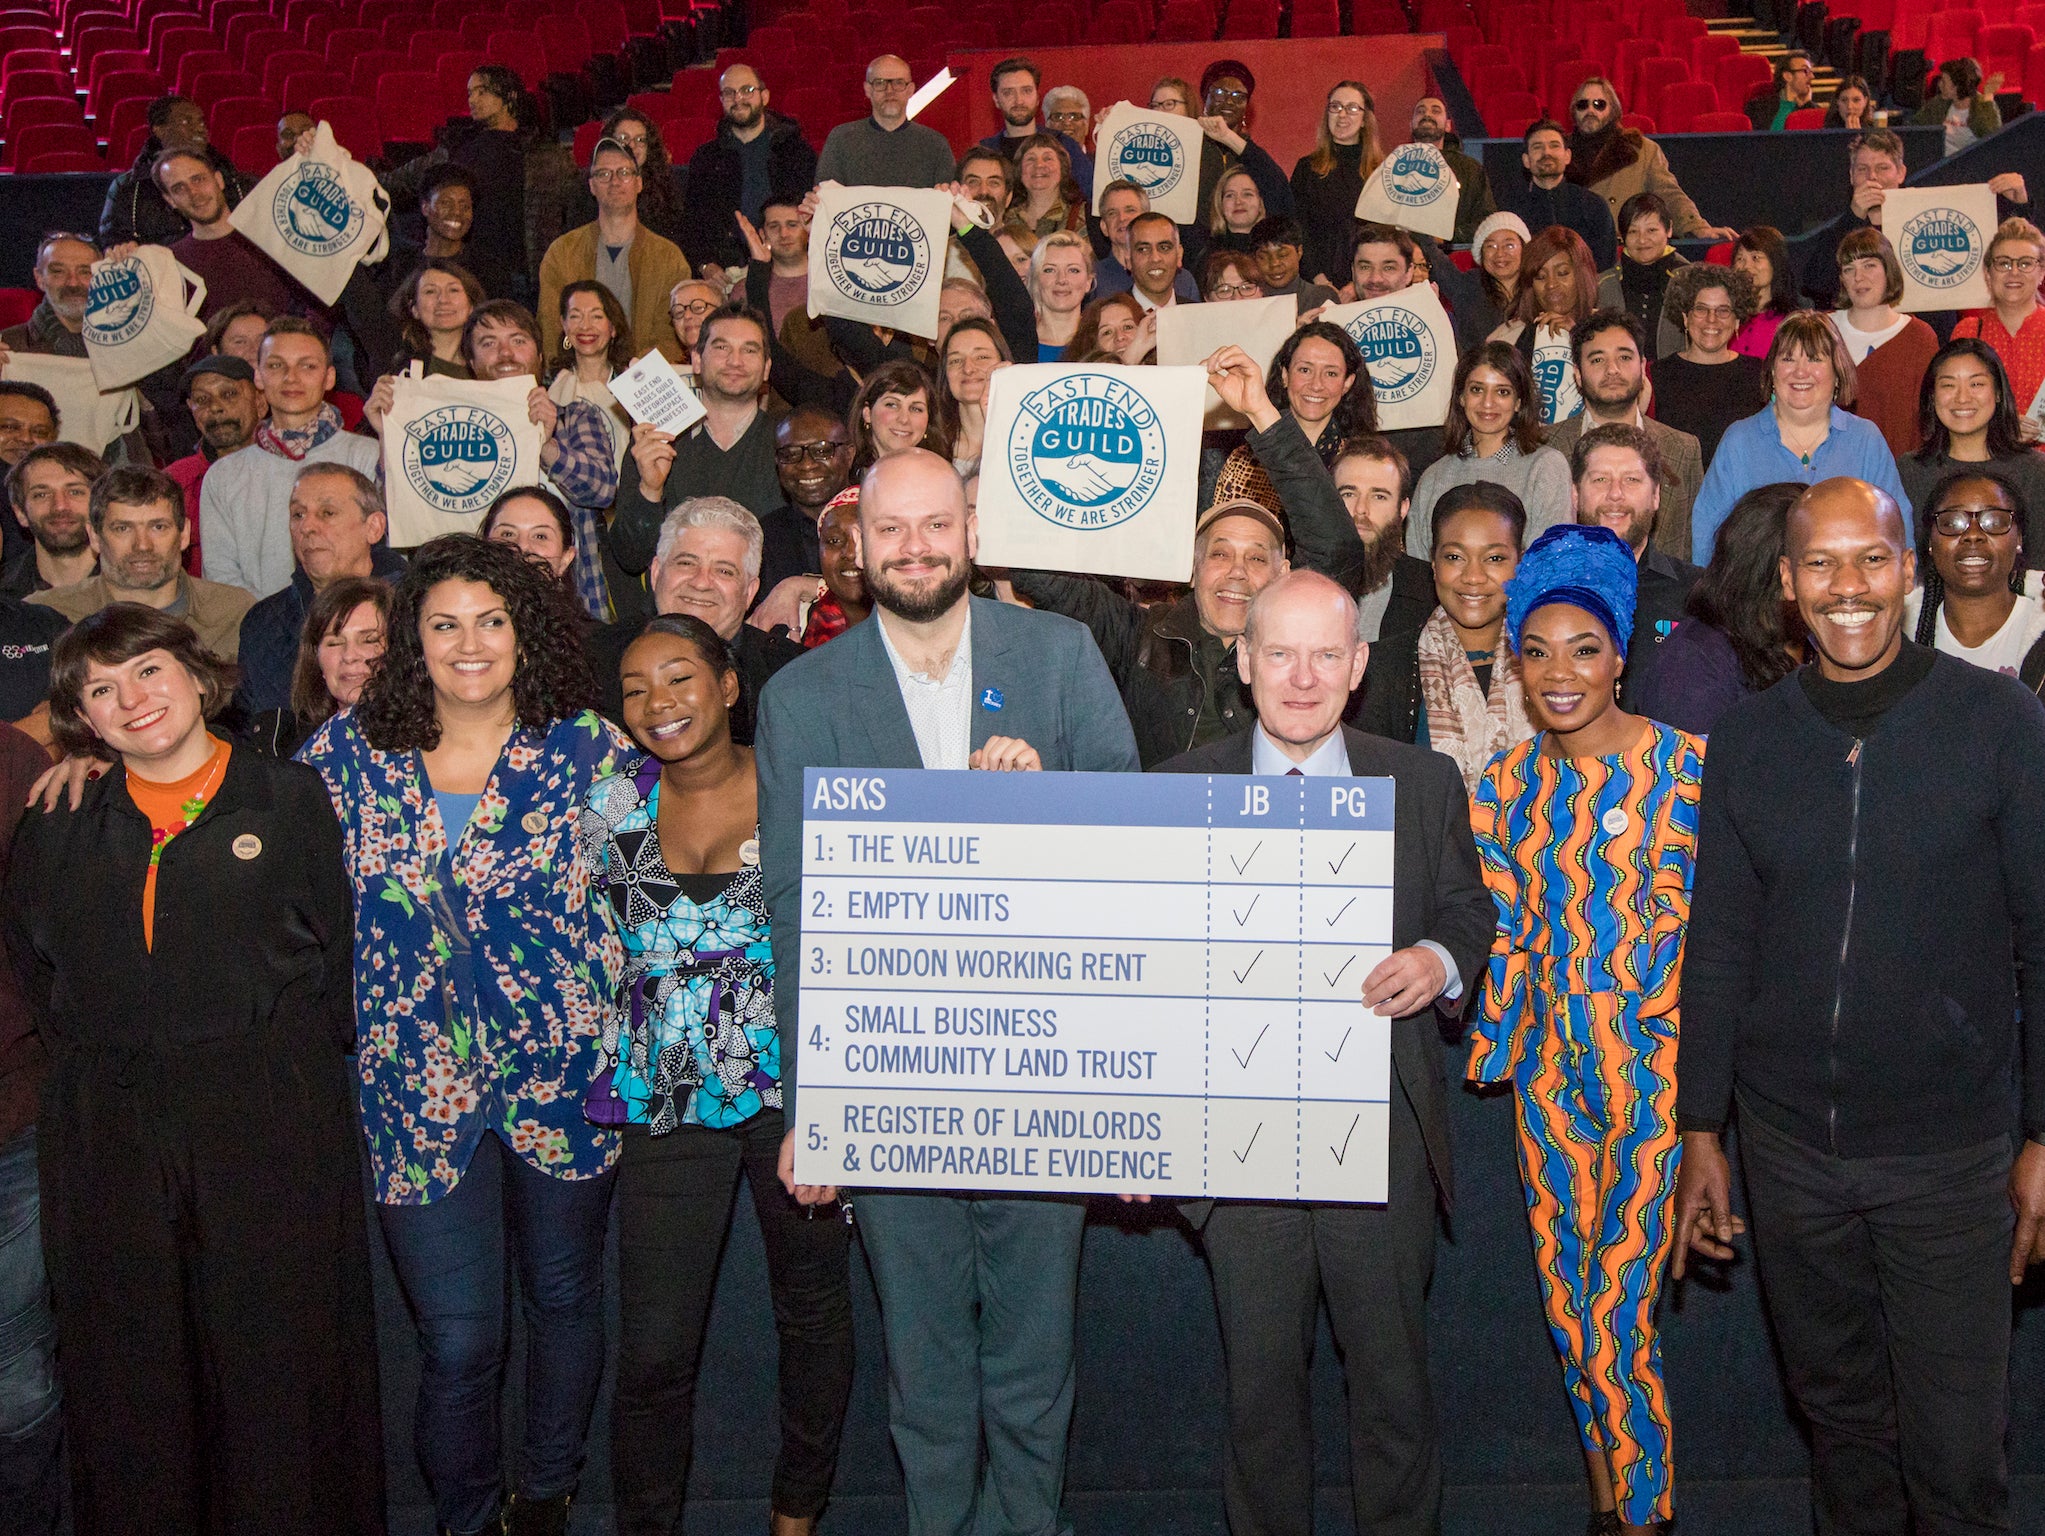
(1591, 103)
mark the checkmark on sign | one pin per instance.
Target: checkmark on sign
(1245, 864)
(1244, 916)
(1244, 974)
(1245, 1060)
(1244, 1155)
(1338, 916)
(1341, 1045)
(1331, 980)
(1343, 1151)
(1336, 867)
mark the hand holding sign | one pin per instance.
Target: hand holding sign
(1234, 375)
(1409, 350)
(1940, 236)
(877, 254)
(652, 392)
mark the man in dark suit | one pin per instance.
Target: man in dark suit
(977, 1293)
(1617, 478)
(1272, 1260)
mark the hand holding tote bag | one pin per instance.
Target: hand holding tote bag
(88, 416)
(450, 448)
(319, 215)
(142, 315)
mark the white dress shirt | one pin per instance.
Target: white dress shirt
(1330, 760)
(940, 709)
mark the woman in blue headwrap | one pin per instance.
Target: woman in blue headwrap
(1588, 834)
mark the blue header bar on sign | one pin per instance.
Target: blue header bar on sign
(1096, 799)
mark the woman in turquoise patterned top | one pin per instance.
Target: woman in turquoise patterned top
(692, 1071)
(484, 968)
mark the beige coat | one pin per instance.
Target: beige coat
(656, 265)
(1618, 174)
(214, 611)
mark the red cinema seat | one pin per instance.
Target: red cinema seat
(1656, 76)
(1721, 122)
(408, 105)
(521, 51)
(52, 139)
(254, 150)
(1741, 75)
(118, 87)
(1683, 102)
(354, 122)
(62, 161)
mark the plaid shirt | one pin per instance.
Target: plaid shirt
(586, 477)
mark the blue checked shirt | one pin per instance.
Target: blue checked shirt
(586, 477)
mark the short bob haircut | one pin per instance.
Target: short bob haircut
(330, 608)
(1810, 334)
(116, 634)
(1869, 241)
(619, 353)
(1501, 357)
(1766, 240)
(551, 681)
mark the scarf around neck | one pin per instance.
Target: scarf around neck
(1463, 721)
(296, 442)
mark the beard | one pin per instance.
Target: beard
(52, 542)
(226, 435)
(1381, 550)
(142, 572)
(921, 604)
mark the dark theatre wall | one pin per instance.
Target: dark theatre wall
(1147, 1428)
(1293, 79)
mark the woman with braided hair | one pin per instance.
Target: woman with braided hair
(1976, 601)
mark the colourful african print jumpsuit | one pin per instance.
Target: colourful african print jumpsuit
(1590, 861)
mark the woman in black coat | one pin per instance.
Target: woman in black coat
(186, 942)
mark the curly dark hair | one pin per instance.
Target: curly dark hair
(551, 681)
(1356, 413)
(1686, 283)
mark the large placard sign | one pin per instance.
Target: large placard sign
(1412, 188)
(876, 254)
(1092, 468)
(1409, 350)
(1940, 236)
(1094, 982)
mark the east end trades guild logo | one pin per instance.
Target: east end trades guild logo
(1147, 155)
(876, 253)
(119, 304)
(1941, 248)
(1398, 349)
(313, 212)
(1086, 451)
(459, 457)
(1415, 177)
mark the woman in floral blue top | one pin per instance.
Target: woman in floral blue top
(693, 1070)
(484, 967)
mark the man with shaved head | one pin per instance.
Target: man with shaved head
(1301, 654)
(1864, 977)
(976, 1292)
(886, 149)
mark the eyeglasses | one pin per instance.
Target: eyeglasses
(1592, 104)
(614, 173)
(891, 83)
(1957, 522)
(815, 453)
(1223, 93)
(742, 92)
(1712, 311)
(1346, 109)
(2013, 264)
(1236, 290)
(694, 309)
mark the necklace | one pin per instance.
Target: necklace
(159, 837)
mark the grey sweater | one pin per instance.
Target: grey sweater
(1540, 479)
(864, 154)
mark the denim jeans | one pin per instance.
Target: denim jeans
(449, 1257)
(31, 1428)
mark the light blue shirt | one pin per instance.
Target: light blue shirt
(1751, 455)
(1330, 760)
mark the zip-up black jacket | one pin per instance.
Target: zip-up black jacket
(709, 230)
(135, 210)
(1866, 922)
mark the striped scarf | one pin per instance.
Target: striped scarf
(1462, 720)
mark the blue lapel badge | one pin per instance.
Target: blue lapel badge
(990, 699)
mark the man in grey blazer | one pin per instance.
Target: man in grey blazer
(976, 1292)
(1273, 1260)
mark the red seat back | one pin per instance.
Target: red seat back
(1721, 122)
(521, 51)
(1682, 102)
(254, 150)
(1805, 117)
(354, 122)
(86, 161)
(408, 103)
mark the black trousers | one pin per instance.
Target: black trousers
(674, 1199)
(1271, 1263)
(1887, 1281)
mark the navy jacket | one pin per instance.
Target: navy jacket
(1572, 206)
(270, 633)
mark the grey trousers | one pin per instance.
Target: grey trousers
(977, 1298)
(1271, 1263)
